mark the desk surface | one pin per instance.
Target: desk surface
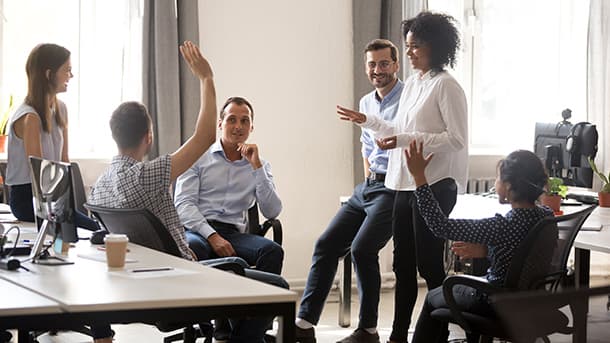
(88, 285)
(596, 241)
(16, 300)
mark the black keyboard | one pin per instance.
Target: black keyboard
(585, 199)
(20, 250)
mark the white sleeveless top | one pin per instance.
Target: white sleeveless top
(18, 165)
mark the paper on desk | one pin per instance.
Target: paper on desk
(100, 256)
(149, 275)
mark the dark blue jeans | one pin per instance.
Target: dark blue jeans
(416, 249)
(364, 226)
(22, 208)
(263, 253)
(430, 330)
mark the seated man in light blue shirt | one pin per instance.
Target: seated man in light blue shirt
(214, 195)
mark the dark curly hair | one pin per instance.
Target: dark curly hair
(439, 32)
(525, 173)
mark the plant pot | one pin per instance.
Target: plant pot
(604, 199)
(3, 143)
(552, 201)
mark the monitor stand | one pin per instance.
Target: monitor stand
(38, 256)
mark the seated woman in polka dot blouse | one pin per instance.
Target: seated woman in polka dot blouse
(520, 181)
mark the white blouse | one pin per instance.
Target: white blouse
(432, 110)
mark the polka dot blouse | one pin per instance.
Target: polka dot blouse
(502, 235)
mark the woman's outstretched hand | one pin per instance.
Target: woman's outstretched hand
(353, 116)
(198, 64)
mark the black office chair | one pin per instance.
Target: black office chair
(78, 187)
(256, 228)
(538, 263)
(144, 228)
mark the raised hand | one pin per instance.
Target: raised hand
(416, 162)
(198, 64)
(250, 153)
(386, 143)
(353, 116)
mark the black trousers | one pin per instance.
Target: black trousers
(416, 249)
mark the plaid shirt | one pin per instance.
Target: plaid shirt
(127, 183)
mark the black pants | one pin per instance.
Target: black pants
(416, 249)
(22, 208)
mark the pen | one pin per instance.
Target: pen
(142, 270)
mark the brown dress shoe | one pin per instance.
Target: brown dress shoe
(305, 335)
(361, 336)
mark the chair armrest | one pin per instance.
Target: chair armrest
(478, 283)
(226, 266)
(551, 281)
(276, 225)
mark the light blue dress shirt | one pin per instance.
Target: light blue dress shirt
(385, 109)
(215, 188)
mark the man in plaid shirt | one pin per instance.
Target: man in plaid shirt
(131, 183)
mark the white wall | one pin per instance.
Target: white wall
(293, 60)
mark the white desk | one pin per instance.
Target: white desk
(21, 308)
(588, 241)
(190, 292)
(18, 301)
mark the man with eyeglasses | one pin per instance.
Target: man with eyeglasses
(364, 224)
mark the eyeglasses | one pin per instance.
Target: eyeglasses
(383, 65)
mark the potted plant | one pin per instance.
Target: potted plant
(556, 191)
(4, 123)
(604, 194)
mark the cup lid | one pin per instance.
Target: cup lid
(116, 237)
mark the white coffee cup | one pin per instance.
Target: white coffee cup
(116, 249)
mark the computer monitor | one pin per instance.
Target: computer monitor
(564, 149)
(54, 205)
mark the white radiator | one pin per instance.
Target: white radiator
(480, 185)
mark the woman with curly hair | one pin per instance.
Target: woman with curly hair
(432, 111)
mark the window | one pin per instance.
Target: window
(104, 38)
(522, 61)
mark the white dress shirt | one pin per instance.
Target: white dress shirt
(432, 110)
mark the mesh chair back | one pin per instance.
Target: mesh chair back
(569, 226)
(78, 186)
(139, 224)
(545, 250)
(532, 258)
